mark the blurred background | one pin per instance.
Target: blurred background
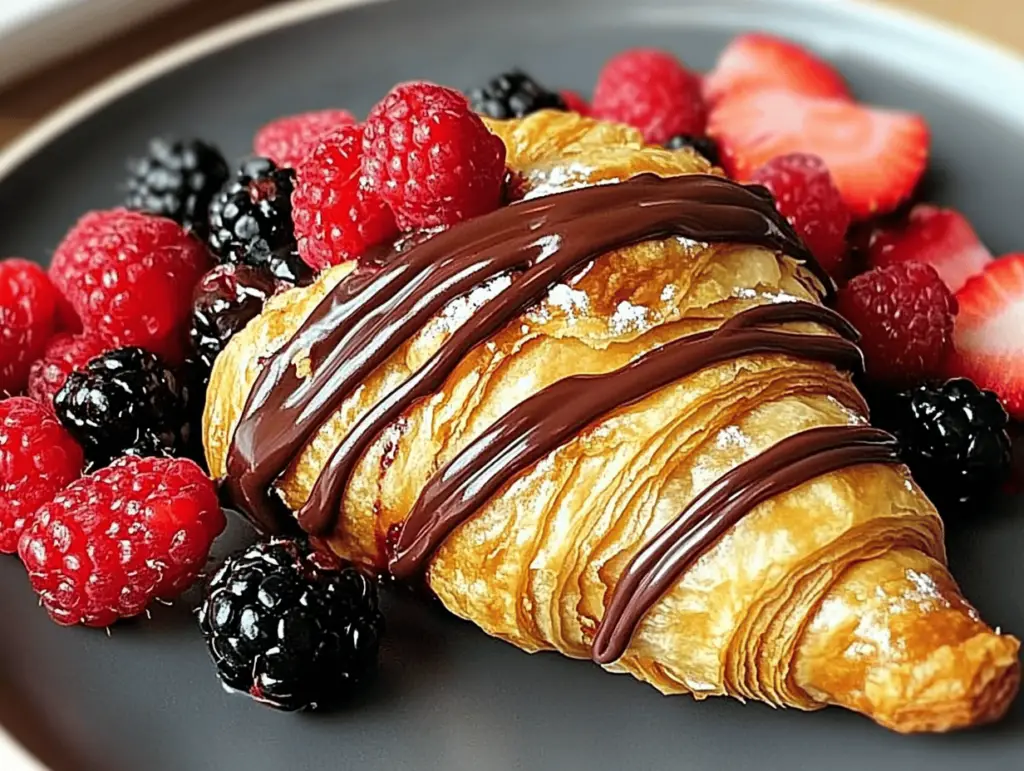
(50, 50)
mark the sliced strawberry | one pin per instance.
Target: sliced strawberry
(876, 156)
(942, 238)
(763, 61)
(987, 340)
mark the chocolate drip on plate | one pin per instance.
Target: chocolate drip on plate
(367, 318)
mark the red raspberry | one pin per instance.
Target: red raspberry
(289, 141)
(28, 318)
(63, 355)
(129, 277)
(38, 457)
(575, 102)
(336, 217)
(652, 91)
(431, 157)
(113, 541)
(806, 195)
(904, 313)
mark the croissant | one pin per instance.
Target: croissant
(614, 419)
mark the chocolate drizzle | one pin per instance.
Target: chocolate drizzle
(551, 417)
(366, 318)
(788, 464)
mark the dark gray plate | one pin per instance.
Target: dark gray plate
(145, 696)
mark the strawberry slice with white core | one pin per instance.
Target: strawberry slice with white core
(987, 338)
(758, 61)
(942, 238)
(876, 157)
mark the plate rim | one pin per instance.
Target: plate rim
(24, 148)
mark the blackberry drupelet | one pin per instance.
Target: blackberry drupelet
(226, 299)
(706, 146)
(292, 627)
(124, 402)
(284, 263)
(514, 94)
(256, 205)
(177, 179)
(952, 436)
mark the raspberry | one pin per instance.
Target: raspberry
(28, 318)
(806, 196)
(431, 158)
(651, 91)
(63, 355)
(574, 102)
(289, 141)
(336, 217)
(37, 458)
(129, 277)
(905, 315)
(111, 542)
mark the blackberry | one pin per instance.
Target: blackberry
(225, 300)
(177, 179)
(514, 94)
(706, 146)
(256, 205)
(292, 627)
(952, 436)
(123, 402)
(283, 263)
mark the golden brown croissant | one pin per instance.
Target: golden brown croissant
(828, 588)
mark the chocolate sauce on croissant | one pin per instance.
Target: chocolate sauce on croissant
(365, 319)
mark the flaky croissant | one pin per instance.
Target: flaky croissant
(832, 590)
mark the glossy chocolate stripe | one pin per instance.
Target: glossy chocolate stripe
(366, 319)
(792, 462)
(545, 421)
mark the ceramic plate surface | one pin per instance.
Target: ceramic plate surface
(449, 697)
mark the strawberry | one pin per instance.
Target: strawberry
(942, 238)
(876, 156)
(987, 340)
(757, 61)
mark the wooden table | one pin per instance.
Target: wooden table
(26, 102)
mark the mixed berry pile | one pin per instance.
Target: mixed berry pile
(105, 357)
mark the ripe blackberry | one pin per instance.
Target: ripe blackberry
(226, 299)
(177, 179)
(256, 205)
(284, 263)
(952, 436)
(292, 627)
(706, 146)
(514, 94)
(124, 402)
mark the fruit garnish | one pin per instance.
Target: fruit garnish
(177, 180)
(875, 156)
(431, 158)
(288, 141)
(514, 94)
(806, 196)
(942, 238)
(758, 60)
(336, 217)
(987, 340)
(123, 402)
(292, 627)
(110, 543)
(652, 91)
(129, 277)
(703, 145)
(28, 319)
(38, 457)
(64, 354)
(905, 316)
(952, 436)
(574, 102)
